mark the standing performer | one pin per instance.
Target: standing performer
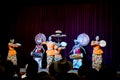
(12, 52)
(97, 53)
(77, 55)
(52, 51)
(38, 51)
(78, 51)
(61, 44)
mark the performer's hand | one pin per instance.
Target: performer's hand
(18, 44)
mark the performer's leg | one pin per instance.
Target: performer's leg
(97, 60)
(77, 63)
(93, 61)
(57, 57)
(38, 60)
(49, 60)
(12, 58)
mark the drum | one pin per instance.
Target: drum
(63, 44)
(75, 56)
(83, 39)
(18, 44)
(39, 38)
(102, 43)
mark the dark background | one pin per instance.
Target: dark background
(23, 20)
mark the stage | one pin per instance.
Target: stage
(23, 70)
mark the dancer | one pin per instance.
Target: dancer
(53, 51)
(61, 44)
(12, 52)
(78, 51)
(37, 54)
(97, 53)
(76, 54)
(38, 51)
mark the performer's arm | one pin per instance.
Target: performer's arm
(13, 45)
(43, 49)
(33, 50)
(83, 49)
(72, 49)
(92, 43)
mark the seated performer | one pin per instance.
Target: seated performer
(12, 52)
(77, 55)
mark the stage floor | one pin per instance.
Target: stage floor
(71, 71)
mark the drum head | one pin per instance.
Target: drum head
(83, 39)
(102, 43)
(39, 38)
(63, 44)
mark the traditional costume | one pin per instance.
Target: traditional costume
(97, 53)
(12, 52)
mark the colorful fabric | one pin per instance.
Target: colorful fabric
(11, 51)
(38, 48)
(96, 61)
(12, 55)
(12, 58)
(50, 59)
(77, 51)
(57, 57)
(77, 60)
(97, 50)
(77, 63)
(50, 48)
(38, 55)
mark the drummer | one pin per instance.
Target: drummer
(76, 55)
(53, 50)
(38, 52)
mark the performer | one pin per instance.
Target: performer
(97, 53)
(78, 51)
(53, 51)
(38, 51)
(37, 54)
(12, 52)
(58, 35)
(77, 55)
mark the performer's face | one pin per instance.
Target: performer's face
(39, 40)
(50, 38)
(12, 40)
(97, 38)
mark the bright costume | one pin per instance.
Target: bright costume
(97, 57)
(53, 52)
(77, 56)
(37, 54)
(12, 53)
(97, 53)
(38, 51)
